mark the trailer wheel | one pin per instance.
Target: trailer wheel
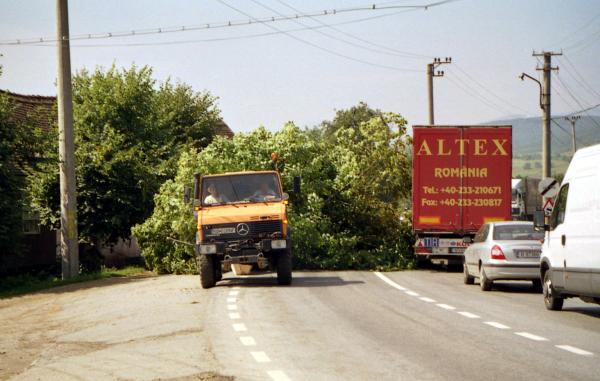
(207, 271)
(467, 279)
(284, 268)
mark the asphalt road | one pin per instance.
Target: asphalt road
(423, 325)
(413, 325)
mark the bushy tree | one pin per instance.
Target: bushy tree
(348, 215)
(129, 130)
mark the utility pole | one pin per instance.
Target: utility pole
(546, 147)
(430, 74)
(573, 119)
(69, 249)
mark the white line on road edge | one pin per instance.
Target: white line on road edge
(496, 325)
(445, 306)
(239, 327)
(575, 350)
(232, 307)
(234, 315)
(248, 341)
(426, 299)
(389, 281)
(469, 315)
(231, 300)
(233, 293)
(278, 375)
(260, 357)
(411, 293)
(531, 336)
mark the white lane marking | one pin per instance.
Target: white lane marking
(411, 293)
(278, 375)
(445, 306)
(389, 281)
(426, 299)
(231, 300)
(469, 315)
(233, 293)
(239, 327)
(248, 341)
(496, 325)
(234, 315)
(260, 357)
(575, 350)
(232, 307)
(531, 336)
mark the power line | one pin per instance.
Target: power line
(328, 35)
(218, 39)
(355, 37)
(329, 51)
(575, 99)
(217, 25)
(583, 82)
(582, 27)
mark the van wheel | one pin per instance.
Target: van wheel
(551, 299)
(484, 282)
(207, 270)
(467, 279)
(284, 268)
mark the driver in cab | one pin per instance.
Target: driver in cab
(214, 197)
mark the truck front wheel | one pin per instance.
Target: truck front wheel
(284, 268)
(206, 267)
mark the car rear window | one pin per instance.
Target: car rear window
(516, 232)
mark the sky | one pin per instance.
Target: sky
(305, 69)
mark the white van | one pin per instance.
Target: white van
(570, 260)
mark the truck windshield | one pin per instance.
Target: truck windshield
(516, 232)
(243, 188)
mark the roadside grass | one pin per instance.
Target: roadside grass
(28, 283)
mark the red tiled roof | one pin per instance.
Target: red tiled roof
(40, 110)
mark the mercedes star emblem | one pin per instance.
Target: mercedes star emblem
(242, 229)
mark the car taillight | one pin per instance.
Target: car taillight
(497, 253)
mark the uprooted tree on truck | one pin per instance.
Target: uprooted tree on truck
(355, 185)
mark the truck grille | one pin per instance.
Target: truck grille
(256, 229)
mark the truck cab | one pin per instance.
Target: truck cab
(242, 220)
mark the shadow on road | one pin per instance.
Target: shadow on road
(305, 281)
(588, 311)
(515, 287)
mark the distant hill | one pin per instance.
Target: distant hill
(527, 142)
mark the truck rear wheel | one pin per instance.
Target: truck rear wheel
(206, 267)
(284, 268)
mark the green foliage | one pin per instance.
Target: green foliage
(21, 145)
(348, 216)
(129, 131)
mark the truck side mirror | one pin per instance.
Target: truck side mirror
(196, 186)
(187, 191)
(296, 186)
(539, 221)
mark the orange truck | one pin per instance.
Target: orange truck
(242, 220)
(461, 180)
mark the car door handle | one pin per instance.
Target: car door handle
(563, 239)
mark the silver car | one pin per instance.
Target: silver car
(504, 251)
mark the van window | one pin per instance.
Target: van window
(558, 214)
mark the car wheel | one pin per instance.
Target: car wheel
(484, 282)
(284, 268)
(467, 279)
(207, 270)
(551, 299)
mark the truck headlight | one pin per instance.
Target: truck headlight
(208, 249)
(278, 244)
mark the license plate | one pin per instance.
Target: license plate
(219, 231)
(439, 250)
(527, 253)
(457, 250)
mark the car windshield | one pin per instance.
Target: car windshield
(243, 188)
(517, 232)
